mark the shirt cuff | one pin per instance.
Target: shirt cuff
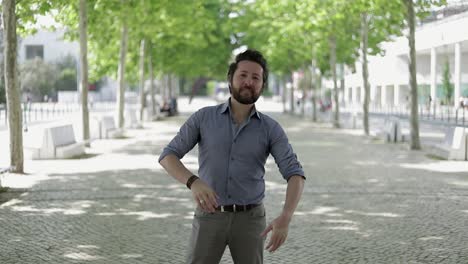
(296, 174)
(166, 152)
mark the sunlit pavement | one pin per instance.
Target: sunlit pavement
(364, 202)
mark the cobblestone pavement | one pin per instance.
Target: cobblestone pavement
(364, 202)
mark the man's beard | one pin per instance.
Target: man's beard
(244, 98)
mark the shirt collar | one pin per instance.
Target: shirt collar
(227, 105)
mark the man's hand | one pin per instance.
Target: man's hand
(204, 196)
(280, 227)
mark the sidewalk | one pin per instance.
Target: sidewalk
(364, 202)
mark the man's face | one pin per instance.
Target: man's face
(247, 82)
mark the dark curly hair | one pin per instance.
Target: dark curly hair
(249, 55)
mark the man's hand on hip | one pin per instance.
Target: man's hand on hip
(280, 227)
(204, 196)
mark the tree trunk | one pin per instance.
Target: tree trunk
(336, 119)
(365, 72)
(84, 69)
(121, 75)
(164, 88)
(304, 91)
(283, 93)
(342, 79)
(152, 93)
(291, 93)
(169, 87)
(313, 83)
(319, 87)
(12, 89)
(414, 121)
(142, 79)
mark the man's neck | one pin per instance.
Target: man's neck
(240, 112)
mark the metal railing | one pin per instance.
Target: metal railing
(449, 115)
(35, 112)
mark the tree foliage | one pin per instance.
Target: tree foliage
(38, 78)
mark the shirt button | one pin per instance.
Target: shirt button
(229, 196)
(232, 158)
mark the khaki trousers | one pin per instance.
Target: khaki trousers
(240, 231)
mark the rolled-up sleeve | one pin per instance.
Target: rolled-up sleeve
(186, 138)
(283, 153)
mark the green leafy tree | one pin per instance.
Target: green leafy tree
(414, 122)
(73, 15)
(17, 17)
(84, 80)
(412, 10)
(11, 84)
(381, 20)
(340, 37)
(273, 27)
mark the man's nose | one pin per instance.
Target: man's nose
(249, 81)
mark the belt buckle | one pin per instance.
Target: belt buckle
(234, 208)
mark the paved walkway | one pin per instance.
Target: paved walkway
(364, 202)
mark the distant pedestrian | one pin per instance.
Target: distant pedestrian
(465, 102)
(429, 103)
(234, 141)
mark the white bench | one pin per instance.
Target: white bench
(454, 146)
(58, 142)
(149, 113)
(131, 119)
(392, 130)
(354, 121)
(107, 128)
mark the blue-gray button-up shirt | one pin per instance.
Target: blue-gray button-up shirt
(232, 158)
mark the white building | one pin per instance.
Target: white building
(49, 46)
(436, 42)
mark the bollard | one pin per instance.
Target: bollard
(466, 147)
(395, 133)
